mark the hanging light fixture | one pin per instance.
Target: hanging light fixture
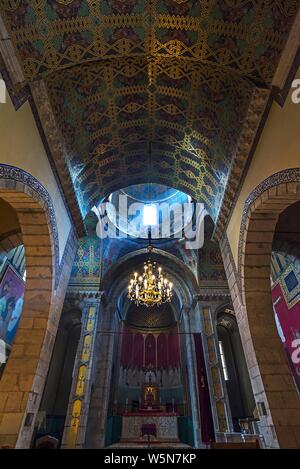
(151, 287)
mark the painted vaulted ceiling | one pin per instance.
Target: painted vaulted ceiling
(175, 74)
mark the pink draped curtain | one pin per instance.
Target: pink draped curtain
(162, 351)
(207, 426)
(138, 351)
(150, 350)
(127, 347)
(173, 348)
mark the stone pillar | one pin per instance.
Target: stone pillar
(95, 437)
(24, 377)
(192, 377)
(218, 393)
(78, 408)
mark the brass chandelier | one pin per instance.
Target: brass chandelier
(151, 287)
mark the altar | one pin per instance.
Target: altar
(166, 426)
(150, 419)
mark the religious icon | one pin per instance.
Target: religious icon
(12, 289)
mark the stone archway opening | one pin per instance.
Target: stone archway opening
(110, 331)
(23, 379)
(275, 393)
(10, 232)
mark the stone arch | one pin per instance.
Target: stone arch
(114, 284)
(10, 233)
(184, 288)
(22, 383)
(224, 307)
(272, 381)
(10, 240)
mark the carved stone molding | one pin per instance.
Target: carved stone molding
(30, 185)
(207, 294)
(59, 151)
(7, 51)
(83, 295)
(252, 121)
(288, 54)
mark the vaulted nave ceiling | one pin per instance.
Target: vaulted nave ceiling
(179, 74)
(190, 112)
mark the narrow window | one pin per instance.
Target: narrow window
(223, 361)
(150, 215)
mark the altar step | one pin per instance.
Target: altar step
(145, 444)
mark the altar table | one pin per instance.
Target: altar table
(166, 425)
(148, 429)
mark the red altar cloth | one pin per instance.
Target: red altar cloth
(148, 429)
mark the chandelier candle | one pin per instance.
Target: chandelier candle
(151, 288)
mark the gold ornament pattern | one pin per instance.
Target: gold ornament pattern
(191, 114)
(246, 36)
(178, 74)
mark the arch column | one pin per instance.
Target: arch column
(192, 377)
(78, 407)
(104, 350)
(277, 401)
(23, 380)
(218, 393)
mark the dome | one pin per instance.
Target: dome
(172, 210)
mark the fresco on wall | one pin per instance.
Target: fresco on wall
(11, 303)
(89, 265)
(211, 266)
(86, 267)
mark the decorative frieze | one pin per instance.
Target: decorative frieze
(253, 118)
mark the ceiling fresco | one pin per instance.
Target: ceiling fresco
(148, 193)
(246, 36)
(150, 91)
(191, 113)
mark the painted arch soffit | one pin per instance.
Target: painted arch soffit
(177, 73)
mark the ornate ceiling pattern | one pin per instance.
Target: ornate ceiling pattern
(159, 317)
(178, 74)
(191, 114)
(243, 35)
